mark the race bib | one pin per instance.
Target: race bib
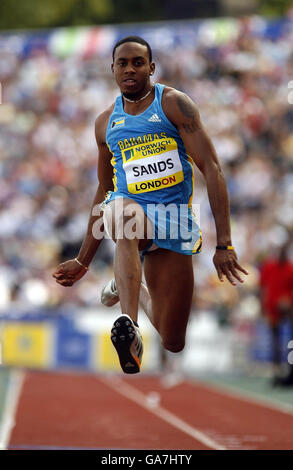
(152, 166)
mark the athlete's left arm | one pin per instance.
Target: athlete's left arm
(183, 113)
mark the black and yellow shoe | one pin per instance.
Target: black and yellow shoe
(127, 341)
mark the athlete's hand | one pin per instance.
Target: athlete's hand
(68, 273)
(227, 265)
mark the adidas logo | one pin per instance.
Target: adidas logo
(128, 364)
(154, 118)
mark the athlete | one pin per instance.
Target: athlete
(148, 141)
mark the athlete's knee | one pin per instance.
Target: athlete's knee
(174, 346)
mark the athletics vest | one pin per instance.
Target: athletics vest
(149, 158)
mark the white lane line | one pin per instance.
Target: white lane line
(245, 395)
(13, 391)
(135, 395)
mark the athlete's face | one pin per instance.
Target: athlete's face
(132, 68)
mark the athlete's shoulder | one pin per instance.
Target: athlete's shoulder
(170, 92)
(175, 103)
(173, 96)
(104, 116)
(101, 123)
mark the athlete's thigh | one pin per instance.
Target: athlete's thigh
(125, 218)
(169, 277)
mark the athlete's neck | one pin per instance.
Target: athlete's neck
(131, 98)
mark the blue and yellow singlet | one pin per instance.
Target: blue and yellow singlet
(151, 166)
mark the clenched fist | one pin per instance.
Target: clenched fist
(69, 272)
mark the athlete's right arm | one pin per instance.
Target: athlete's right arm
(71, 271)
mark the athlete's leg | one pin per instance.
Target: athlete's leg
(110, 297)
(170, 282)
(127, 269)
(129, 228)
(145, 302)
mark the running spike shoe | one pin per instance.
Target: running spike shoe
(127, 341)
(109, 294)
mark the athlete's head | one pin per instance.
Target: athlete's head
(132, 65)
(137, 39)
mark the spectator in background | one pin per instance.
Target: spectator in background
(276, 288)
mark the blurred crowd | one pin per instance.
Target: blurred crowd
(48, 164)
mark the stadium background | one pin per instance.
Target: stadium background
(54, 84)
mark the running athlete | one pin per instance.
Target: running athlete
(147, 141)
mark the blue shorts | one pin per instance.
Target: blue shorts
(174, 226)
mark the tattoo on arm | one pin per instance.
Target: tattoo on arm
(185, 106)
(191, 127)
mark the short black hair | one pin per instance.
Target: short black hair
(133, 39)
